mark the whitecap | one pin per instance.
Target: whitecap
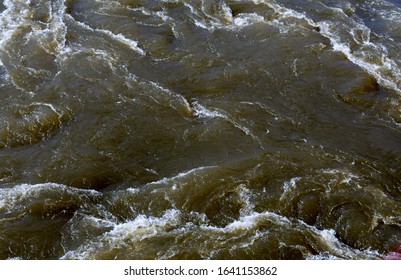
(12, 198)
(132, 44)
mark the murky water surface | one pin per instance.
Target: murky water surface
(200, 129)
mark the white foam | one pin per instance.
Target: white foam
(387, 71)
(221, 13)
(140, 228)
(132, 44)
(182, 100)
(202, 112)
(325, 237)
(59, 113)
(222, 18)
(251, 221)
(18, 14)
(337, 249)
(388, 11)
(342, 176)
(245, 196)
(173, 179)
(11, 198)
(289, 185)
(244, 19)
(145, 227)
(164, 17)
(15, 15)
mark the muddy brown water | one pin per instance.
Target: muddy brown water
(188, 129)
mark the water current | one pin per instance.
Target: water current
(200, 129)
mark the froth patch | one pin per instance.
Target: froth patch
(143, 232)
(130, 43)
(142, 227)
(22, 196)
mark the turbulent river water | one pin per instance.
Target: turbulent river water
(200, 129)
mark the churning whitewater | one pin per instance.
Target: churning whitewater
(200, 129)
